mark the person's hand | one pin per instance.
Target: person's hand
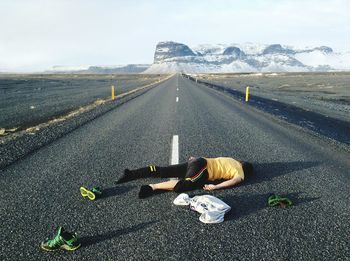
(191, 158)
(209, 187)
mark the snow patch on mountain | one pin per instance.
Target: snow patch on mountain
(62, 68)
(173, 57)
(318, 58)
(108, 69)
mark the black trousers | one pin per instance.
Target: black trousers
(192, 174)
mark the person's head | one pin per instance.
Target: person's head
(247, 168)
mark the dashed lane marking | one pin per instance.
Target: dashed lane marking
(175, 150)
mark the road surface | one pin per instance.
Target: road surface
(41, 191)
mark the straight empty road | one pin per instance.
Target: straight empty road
(41, 191)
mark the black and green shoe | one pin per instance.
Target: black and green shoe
(63, 240)
(91, 194)
(276, 200)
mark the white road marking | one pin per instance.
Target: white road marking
(177, 99)
(175, 150)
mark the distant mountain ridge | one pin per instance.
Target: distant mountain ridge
(173, 57)
(130, 68)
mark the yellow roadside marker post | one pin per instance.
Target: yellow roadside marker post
(113, 96)
(246, 93)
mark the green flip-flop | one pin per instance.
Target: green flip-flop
(276, 200)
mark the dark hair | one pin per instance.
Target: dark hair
(247, 169)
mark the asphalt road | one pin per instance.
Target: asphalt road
(41, 191)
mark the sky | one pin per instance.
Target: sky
(36, 35)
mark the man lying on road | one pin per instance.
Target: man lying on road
(192, 175)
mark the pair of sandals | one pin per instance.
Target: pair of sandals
(276, 200)
(92, 193)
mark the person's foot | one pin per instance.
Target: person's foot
(63, 240)
(146, 191)
(125, 177)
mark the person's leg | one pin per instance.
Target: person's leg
(187, 185)
(196, 176)
(148, 190)
(167, 185)
(172, 171)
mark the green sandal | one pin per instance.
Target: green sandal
(276, 200)
(63, 240)
(92, 193)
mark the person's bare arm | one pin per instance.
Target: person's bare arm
(225, 184)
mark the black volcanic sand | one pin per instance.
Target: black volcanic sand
(26, 100)
(325, 93)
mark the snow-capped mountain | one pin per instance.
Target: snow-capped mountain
(130, 68)
(172, 57)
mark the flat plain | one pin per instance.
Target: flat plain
(26, 100)
(327, 92)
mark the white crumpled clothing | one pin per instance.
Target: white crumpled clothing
(182, 200)
(211, 208)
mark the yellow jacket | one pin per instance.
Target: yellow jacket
(224, 168)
